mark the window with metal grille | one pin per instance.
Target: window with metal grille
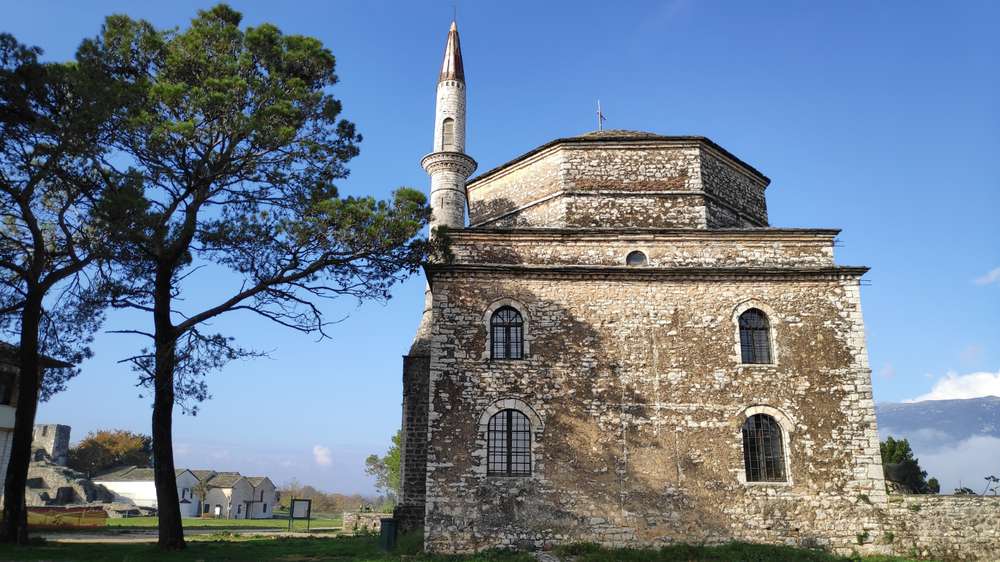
(755, 337)
(506, 334)
(635, 258)
(509, 444)
(448, 134)
(763, 451)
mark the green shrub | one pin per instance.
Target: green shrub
(578, 548)
(410, 543)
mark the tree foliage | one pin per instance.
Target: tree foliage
(386, 469)
(992, 485)
(102, 450)
(227, 159)
(328, 503)
(901, 467)
(933, 486)
(55, 120)
(55, 124)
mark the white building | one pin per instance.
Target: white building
(263, 498)
(136, 485)
(229, 496)
(9, 368)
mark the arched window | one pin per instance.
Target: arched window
(755, 337)
(635, 258)
(763, 451)
(509, 444)
(448, 134)
(506, 334)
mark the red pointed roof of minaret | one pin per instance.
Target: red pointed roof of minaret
(451, 69)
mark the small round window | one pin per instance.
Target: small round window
(635, 258)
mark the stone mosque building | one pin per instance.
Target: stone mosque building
(623, 351)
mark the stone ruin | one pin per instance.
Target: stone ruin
(53, 440)
(51, 483)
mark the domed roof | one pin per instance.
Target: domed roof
(625, 135)
(618, 134)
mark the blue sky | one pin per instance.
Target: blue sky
(881, 118)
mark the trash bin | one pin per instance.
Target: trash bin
(387, 536)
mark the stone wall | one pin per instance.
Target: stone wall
(413, 454)
(363, 522)
(759, 248)
(943, 527)
(53, 439)
(53, 484)
(639, 210)
(536, 180)
(640, 182)
(739, 198)
(639, 394)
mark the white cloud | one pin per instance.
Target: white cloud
(322, 455)
(954, 386)
(961, 464)
(992, 277)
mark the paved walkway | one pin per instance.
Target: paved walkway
(149, 535)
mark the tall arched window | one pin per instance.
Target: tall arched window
(506, 334)
(755, 337)
(509, 444)
(448, 134)
(763, 450)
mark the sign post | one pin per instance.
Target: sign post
(299, 509)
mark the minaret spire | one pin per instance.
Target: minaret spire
(452, 69)
(448, 165)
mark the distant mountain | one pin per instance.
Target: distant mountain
(959, 419)
(957, 441)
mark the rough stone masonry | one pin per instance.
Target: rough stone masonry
(622, 350)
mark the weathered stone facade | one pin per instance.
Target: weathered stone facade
(363, 522)
(621, 179)
(631, 380)
(53, 440)
(635, 378)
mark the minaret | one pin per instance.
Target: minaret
(449, 167)
(447, 164)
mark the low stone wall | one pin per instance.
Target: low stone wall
(944, 527)
(364, 521)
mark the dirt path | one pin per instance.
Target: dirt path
(149, 535)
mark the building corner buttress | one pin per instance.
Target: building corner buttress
(449, 168)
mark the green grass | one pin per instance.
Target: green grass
(228, 547)
(195, 522)
(732, 552)
(231, 548)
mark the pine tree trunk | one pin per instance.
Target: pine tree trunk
(171, 531)
(15, 515)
